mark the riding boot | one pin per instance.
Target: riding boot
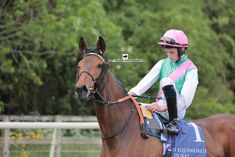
(170, 95)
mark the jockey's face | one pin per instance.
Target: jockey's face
(172, 53)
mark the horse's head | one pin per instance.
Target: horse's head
(91, 70)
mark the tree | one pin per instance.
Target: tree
(39, 50)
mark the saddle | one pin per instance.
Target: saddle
(189, 142)
(154, 123)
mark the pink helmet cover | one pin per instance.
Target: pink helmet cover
(175, 38)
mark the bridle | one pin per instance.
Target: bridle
(94, 91)
(91, 88)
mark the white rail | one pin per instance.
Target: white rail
(48, 125)
(56, 139)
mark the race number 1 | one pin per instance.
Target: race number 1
(197, 133)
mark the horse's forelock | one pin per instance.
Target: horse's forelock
(91, 50)
(94, 51)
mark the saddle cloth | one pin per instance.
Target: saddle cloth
(189, 143)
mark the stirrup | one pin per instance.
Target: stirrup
(172, 127)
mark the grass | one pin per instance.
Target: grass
(43, 150)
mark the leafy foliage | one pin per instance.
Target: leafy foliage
(39, 50)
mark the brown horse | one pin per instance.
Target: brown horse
(118, 118)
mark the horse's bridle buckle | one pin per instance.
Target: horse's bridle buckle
(92, 88)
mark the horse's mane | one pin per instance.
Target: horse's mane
(121, 85)
(91, 50)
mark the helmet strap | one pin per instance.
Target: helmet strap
(180, 53)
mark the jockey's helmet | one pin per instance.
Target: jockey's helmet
(174, 38)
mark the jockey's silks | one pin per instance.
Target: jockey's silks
(183, 75)
(176, 71)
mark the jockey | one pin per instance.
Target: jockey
(178, 78)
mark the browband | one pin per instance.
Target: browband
(95, 54)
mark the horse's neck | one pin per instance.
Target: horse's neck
(112, 118)
(112, 89)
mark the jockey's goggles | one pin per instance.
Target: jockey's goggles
(169, 41)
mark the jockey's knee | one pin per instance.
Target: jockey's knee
(166, 81)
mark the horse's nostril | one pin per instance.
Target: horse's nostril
(84, 89)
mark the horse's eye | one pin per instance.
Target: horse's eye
(100, 65)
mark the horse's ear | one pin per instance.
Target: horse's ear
(101, 45)
(82, 45)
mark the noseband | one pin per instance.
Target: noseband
(92, 88)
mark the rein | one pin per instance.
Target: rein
(108, 103)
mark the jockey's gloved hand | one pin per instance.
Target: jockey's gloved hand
(153, 107)
(132, 93)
